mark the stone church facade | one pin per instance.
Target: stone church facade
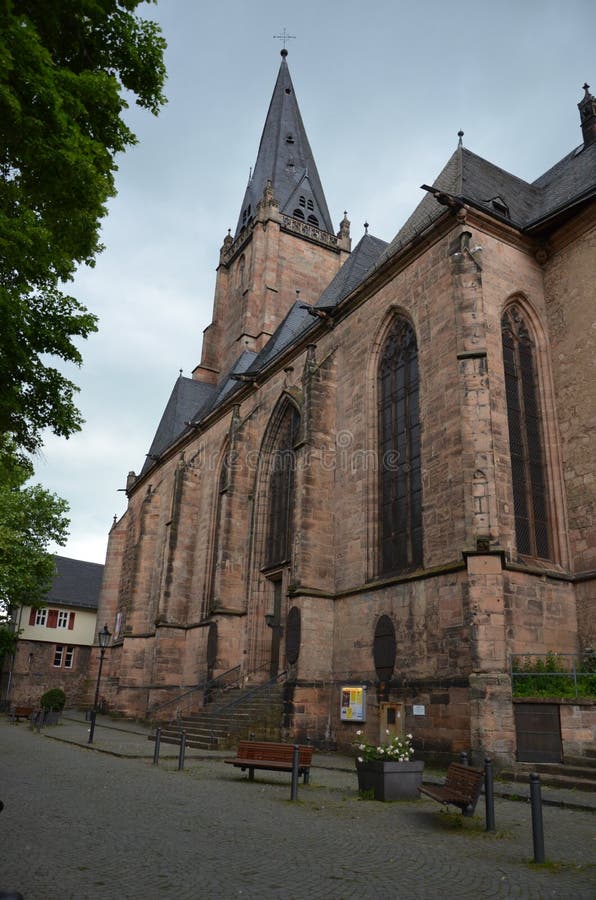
(381, 472)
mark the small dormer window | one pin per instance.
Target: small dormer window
(310, 204)
(499, 206)
(312, 220)
(298, 214)
(302, 201)
(290, 139)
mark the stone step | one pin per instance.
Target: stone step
(581, 778)
(584, 762)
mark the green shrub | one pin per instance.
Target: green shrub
(552, 677)
(54, 699)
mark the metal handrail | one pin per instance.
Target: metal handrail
(246, 695)
(205, 685)
(573, 673)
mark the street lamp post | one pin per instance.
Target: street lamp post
(103, 637)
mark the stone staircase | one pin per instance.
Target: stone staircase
(576, 772)
(245, 712)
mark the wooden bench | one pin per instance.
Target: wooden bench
(20, 712)
(253, 755)
(462, 788)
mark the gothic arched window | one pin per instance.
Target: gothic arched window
(281, 489)
(222, 488)
(525, 436)
(400, 482)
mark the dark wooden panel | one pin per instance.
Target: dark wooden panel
(538, 730)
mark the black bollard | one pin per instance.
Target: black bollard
(156, 748)
(92, 729)
(537, 828)
(463, 758)
(182, 750)
(295, 768)
(489, 795)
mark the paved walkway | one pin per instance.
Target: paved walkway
(101, 821)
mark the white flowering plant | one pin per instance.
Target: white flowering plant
(396, 749)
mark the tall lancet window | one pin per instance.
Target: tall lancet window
(218, 537)
(400, 482)
(525, 436)
(281, 489)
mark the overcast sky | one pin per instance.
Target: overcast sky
(383, 88)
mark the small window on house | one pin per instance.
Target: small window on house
(69, 657)
(62, 619)
(302, 201)
(58, 656)
(41, 617)
(310, 204)
(312, 220)
(298, 214)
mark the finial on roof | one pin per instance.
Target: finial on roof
(344, 226)
(180, 372)
(366, 227)
(587, 114)
(297, 295)
(460, 135)
(284, 37)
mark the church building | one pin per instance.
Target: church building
(378, 486)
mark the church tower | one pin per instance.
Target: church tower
(283, 243)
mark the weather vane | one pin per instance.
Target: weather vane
(284, 37)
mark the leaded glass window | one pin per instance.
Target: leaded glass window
(525, 438)
(281, 489)
(400, 482)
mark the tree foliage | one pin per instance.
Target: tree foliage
(30, 519)
(66, 70)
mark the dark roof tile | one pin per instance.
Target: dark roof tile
(76, 583)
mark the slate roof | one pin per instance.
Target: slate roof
(571, 178)
(187, 401)
(285, 159)
(296, 323)
(474, 180)
(76, 583)
(360, 261)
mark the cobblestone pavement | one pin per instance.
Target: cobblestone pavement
(80, 824)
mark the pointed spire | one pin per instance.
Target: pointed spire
(285, 158)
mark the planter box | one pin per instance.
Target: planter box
(390, 780)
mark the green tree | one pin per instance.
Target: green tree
(30, 519)
(66, 70)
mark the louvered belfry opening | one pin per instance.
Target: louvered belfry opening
(281, 489)
(400, 482)
(525, 438)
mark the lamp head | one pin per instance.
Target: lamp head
(104, 636)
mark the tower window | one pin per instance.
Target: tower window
(302, 201)
(312, 220)
(298, 214)
(310, 204)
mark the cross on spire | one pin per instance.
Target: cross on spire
(284, 37)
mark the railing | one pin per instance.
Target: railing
(209, 686)
(553, 675)
(250, 693)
